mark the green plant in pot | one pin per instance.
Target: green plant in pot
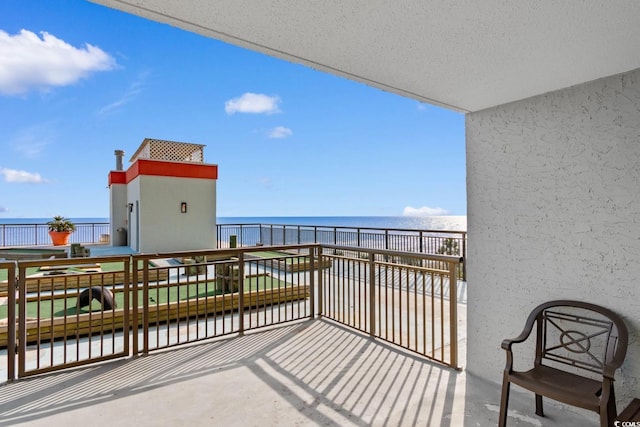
(60, 228)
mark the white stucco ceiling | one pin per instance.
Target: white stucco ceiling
(463, 54)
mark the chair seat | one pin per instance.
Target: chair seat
(561, 386)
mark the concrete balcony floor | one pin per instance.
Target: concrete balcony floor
(312, 373)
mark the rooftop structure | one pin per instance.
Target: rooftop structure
(171, 151)
(166, 200)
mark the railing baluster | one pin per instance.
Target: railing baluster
(372, 294)
(453, 315)
(240, 291)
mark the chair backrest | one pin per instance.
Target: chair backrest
(582, 335)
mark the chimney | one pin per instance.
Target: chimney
(119, 155)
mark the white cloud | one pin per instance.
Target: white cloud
(255, 103)
(17, 176)
(3, 209)
(129, 95)
(280, 132)
(30, 62)
(32, 141)
(424, 211)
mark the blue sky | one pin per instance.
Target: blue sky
(78, 81)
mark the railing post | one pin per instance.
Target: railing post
(464, 256)
(320, 289)
(240, 291)
(453, 313)
(358, 238)
(372, 294)
(386, 243)
(312, 283)
(127, 305)
(22, 320)
(134, 305)
(11, 323)
(145, 306)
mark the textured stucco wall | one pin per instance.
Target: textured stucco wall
(553, 187)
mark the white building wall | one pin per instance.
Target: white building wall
(133, 198)
(117, 209)
(162, 225)
(553, 188)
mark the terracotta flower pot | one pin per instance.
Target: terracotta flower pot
(60, 238)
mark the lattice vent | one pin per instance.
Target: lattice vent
(157, 149)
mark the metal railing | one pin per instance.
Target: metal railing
(164, 300)
(407, 299)
(38, 234)
(434, 242)
(55, 327)
(8, 270)
(209, 299)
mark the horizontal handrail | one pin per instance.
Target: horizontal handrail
(431, 257)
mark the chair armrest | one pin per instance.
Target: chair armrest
(528, 327)
(506, 344)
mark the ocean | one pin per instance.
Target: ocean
(449, 223)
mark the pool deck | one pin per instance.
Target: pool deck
(105, 250)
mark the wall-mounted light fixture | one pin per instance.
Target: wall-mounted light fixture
(183, 207)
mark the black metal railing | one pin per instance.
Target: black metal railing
(37, 234)
(433, 242)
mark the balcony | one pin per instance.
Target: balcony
(315, 372)
(328, 358)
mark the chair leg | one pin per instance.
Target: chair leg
(539, 410)
(609, 412)
(604, 419)
(504, 401)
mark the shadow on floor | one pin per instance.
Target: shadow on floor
(309, 373)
